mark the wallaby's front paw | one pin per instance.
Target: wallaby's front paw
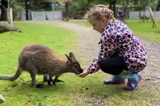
(50, 82)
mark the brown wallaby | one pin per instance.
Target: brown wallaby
(39, 59)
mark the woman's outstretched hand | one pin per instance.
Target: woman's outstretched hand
(83, 74)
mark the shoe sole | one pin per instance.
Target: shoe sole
(114, 83)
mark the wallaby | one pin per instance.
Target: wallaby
(39, 59)
(5, 27)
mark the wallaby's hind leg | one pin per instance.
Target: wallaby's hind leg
(33, 76)
(45, 78)
(34, 84)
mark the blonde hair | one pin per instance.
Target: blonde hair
(99, 11)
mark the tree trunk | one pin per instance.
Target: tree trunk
(26, 8)
(67, 10)
(88, 4)
(126, 8)
(112, 6)
(4, 12)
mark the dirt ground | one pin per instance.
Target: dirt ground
(87, 48)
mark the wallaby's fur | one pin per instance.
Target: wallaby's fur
(39, 59)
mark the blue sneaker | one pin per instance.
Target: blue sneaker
(132, 80)
(114, 80)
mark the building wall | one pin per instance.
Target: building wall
(41, 15)
(136, 14)
(58, 15)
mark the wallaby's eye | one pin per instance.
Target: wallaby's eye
(76, 66)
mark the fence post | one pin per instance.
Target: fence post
(152, 18)
(10, 16)
(53, 10)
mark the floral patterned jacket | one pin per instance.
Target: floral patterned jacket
(119, 38)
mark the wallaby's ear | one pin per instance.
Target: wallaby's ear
(68, 57)
(71, 55)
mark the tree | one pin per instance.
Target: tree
(153, 4)
(112, 6)
(26, 7)
(126, 3)
(158, 6)
(17, 6)
(67, 10)
(4, 13)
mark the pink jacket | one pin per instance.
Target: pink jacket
(119, 38)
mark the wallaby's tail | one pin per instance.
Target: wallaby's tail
(12, 78)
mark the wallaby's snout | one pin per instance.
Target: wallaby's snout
(18, 30)
(74, 64)
(80, 71)
(77, 68)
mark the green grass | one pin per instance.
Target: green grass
(89, 91)
(142, 29)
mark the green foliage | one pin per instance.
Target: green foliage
(126, 3)
(80, 5)
(153, 4)
(83, 5)
(16, 5)
(40, 6)
(142, 5)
